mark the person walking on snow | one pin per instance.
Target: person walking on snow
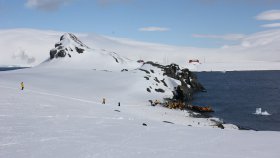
(22, 85)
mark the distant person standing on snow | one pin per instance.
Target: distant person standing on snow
(22, 85)
(103, 101)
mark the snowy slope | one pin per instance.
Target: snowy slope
(59, 114)
(70, 52)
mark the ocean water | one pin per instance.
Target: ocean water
(236, 95)
(11, 68)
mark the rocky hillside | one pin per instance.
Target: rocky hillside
(160, 81)
(182, 82)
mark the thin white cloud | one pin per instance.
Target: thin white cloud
(271, 25)
(153, 28)
(269, 15)
(229, 37)
(46, 5)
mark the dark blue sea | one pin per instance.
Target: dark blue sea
(236, 95)
(11, 68)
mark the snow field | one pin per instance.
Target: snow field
(61, 115)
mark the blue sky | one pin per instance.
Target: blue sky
(198, 23)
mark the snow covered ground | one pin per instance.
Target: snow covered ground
(234, 66)
(61, 115)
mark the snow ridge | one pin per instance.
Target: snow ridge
(74, 38)
(70, 52)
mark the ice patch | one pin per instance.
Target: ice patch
(260, 112)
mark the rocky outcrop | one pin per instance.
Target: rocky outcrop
(189, 83)
(67, 45)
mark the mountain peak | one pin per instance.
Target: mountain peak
(68, 45)
(72, 37)
(76, 54)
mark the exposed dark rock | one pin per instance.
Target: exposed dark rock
(152, 71)
(221, 126)
(164, 83)
(124, 70)
(159, 90)
(74, 38)
(69, 55)
(147, 78)
(145, 71)
(196, 85)
(53, 53)
(154, 64)
(57, 44)
(178, 94)
(79, 50)
(189, 83)
(168, 122)
(59, 47)
(61, 53)
(116, 59)
(156, 79)
(218, 123)
(152, 104)
(148, 89)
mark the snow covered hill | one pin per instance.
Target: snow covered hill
(59, 114)
(30, 47)
(70, 52)
(158, 80)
